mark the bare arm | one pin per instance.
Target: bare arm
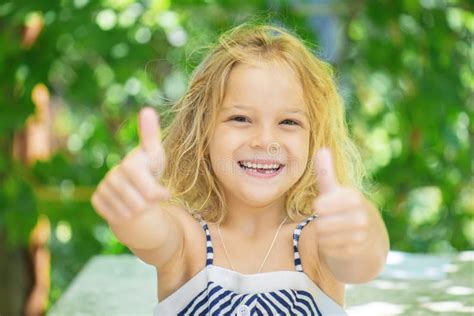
(157, 235)
(133, 202)
(351, 235)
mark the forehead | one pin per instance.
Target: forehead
(268, 84)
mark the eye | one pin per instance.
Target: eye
(238, 118)
(291, 122)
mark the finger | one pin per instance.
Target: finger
(340, 251)
(329, 203)
(142, 179)
(348, 221)
(144, 182)
(338, 240)
(146, 186)
(117, 209)
(325, 173)
(148, 127)
(132, 200)
(101, 207)
(150, 143)
(341, 199)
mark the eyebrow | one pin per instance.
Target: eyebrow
(244, 107)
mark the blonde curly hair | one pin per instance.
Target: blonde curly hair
(188, 172)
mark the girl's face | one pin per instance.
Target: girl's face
(259, 148)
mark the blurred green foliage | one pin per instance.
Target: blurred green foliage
(405, 70)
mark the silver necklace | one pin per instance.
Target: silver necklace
(268, 252)
(243, 309)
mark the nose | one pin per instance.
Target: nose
(263, 137)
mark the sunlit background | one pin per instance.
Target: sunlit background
(75, 72)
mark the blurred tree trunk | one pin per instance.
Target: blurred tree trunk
(25, 273)
(26, 269)
(17, 278)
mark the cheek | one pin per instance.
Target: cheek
(299, 151)
(225, 141)
(221, 150)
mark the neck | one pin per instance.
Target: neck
(251, 220)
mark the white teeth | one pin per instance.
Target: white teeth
(260, 166)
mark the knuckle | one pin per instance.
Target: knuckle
(115, 181)
(149, 190)
(112, 177)
(101, 189)
(147, 194)
(102, 214)
(127, 166)
(106, 191)
(161, 159)
(151, 193)
(94, 199)
(138, 206)
(154, 169)
(164, 196)
(98, 207)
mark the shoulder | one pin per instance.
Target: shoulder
(315, 266)
(193, 237)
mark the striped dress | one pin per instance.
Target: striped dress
(220, 291)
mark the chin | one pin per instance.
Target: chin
(260, 198)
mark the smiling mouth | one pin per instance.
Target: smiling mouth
(264, 169)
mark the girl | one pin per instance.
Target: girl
(257, 210)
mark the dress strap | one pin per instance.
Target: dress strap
(209, 248)
(296, 238)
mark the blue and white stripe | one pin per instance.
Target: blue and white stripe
(216, 300)
(296, 238)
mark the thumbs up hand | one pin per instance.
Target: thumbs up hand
(131, 188)
(150, 144)
(346, 217)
